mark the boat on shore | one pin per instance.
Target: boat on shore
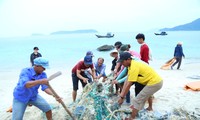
(108, 35)
(162, 33)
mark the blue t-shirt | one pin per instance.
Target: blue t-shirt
(24, 94)
(100, 69)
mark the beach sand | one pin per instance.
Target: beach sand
(171, 96)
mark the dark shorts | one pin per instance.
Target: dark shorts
(75, 81)
(138, 88)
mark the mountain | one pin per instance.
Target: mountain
(74, 32)
(192, 26)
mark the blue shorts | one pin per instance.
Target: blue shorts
(18, 107)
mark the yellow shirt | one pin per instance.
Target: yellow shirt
(142, 73)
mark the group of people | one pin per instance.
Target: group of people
(138, 72)
(129, 68)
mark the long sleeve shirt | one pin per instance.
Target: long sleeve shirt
(24, 94)
(122, 76)
(178, 52)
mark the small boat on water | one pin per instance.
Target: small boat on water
(108, 35)
(162, 33)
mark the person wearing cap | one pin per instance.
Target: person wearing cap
(123, 48)
(117, 45)
(114, 54)
(26, 91)
(121, 75)
(178, 54)
(142, 73)
(100, 68)
(34, 55)
(88, 72)
(79, 75)
(90, 53)
(126, 47)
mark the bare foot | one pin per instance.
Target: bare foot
(149, 109)
(132, 107)
(30, 105)
(126, 118)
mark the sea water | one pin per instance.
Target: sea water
(64, 51)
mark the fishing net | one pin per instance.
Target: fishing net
(98, 102)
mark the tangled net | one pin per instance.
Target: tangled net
(98, 102)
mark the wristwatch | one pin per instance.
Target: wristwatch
(121, 97)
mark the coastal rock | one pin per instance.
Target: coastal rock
(105, 48)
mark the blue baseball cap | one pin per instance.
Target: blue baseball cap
(90, 53)
(41, 62)
(88, 59)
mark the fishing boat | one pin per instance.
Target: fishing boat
(162, 33)
(108, 35)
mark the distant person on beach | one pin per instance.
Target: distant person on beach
(145, 56)
(178, 54)
(78, 74)
(26, 91)
(100, 68)
(142, 73)
(34, 55)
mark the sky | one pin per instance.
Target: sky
(25, 17)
